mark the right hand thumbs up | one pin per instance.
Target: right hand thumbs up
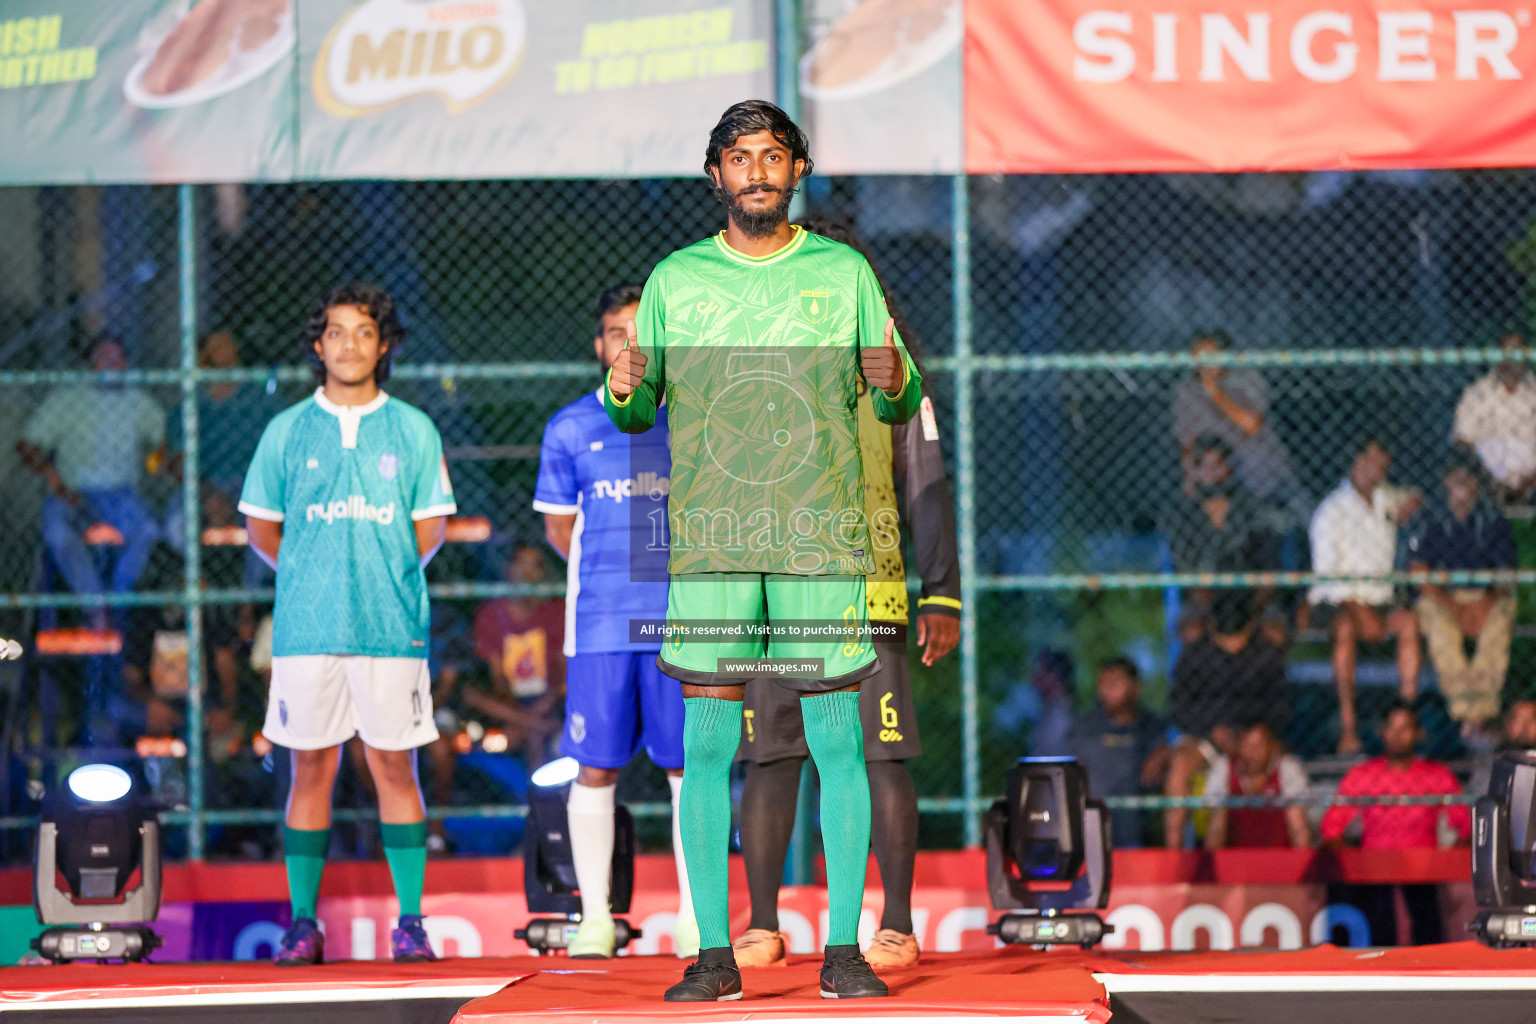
(629, 368)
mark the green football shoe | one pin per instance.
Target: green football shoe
(593, 939)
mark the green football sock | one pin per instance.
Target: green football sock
(405, 848)
(304, 853)
(836, 741)
(711, 733)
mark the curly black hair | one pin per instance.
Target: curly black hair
(374, 301)
(750, 117)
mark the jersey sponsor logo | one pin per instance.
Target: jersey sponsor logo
(354, 506)
(651, 485)
(389, 465)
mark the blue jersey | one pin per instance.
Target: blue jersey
(348, 484)
(616, 486)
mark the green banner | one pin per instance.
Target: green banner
(145, 90)
(505, 88)
(254, 90)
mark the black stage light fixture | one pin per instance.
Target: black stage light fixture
(96, 834)
(549, 872)
(1504, 854)
(1048, 856)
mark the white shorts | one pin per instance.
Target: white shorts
(322, 700)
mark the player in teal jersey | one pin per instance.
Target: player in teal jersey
(348, 498)
(757, 339)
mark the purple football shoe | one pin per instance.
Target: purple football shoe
(303, 944)
(409, 941)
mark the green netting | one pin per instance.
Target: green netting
(1357, 306)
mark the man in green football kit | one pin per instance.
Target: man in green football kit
(348, 498)
(756, 338)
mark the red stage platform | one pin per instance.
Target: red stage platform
(1014, 985)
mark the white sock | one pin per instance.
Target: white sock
(589, 811)
(684, 894)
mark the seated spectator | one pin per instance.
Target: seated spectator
(1229, 678)
(1042, 705)
(1399, 773)
(1217, 525)
(521, 640)
(1519, 733)
(1123, 746)
(1354, 533)
(1261, 767)
(1496, 419)
(1232, 403)
(1465, 532)
(90, 442)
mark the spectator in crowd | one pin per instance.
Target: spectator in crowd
(90, 442)
(1465, 532)
(1231, 677)
(1496, 419)
(1232, 403)
(1399, 773)
(1220, 526)
(1519, 733)
(226, 411)
(1123, 745)
(521, 640)
(1043, 705)
(1354, 533)
(1262, 768)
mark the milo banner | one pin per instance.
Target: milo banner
(254, 90)
(135, 90)
(880, 86)
(505, 88)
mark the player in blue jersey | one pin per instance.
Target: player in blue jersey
(348, 498)
(604, 498)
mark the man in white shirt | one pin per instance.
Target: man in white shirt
(1496, 418)
(1354, 533)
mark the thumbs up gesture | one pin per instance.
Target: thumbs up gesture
(882, 366)
(629, 367)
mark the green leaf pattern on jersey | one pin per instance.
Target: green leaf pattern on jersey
(759, 364)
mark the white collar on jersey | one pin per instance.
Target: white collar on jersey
(350, 417)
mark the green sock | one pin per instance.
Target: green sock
(304, 852)
(711, 733)
(405, 847)
(836, 741)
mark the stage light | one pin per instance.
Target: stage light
(1503, 864)
(562, 771)
(99, 783)
(1048, 853)
(97, 835)
(549, 872)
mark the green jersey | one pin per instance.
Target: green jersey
(758, 361)
(348, 484)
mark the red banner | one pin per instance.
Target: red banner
(1263, 85)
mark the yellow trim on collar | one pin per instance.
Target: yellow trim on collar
(762, 261)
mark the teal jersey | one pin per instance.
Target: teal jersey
(348, 485)
(758, 360)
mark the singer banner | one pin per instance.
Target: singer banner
(1267, 85)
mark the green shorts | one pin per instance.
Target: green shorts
(717, 618)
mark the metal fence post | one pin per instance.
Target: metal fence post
(786, 75)
(965, 473)
(186, 244)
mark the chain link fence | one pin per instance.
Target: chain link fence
(1146, 387)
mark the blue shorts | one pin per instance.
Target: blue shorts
(615, 703)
